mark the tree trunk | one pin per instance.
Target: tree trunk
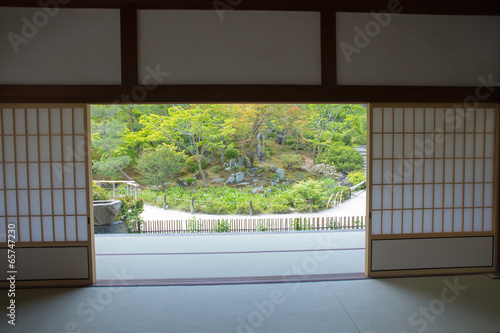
(202, 173)
(249, 154)
(131, 120)
(259, 145)
(297, 145)
(283, 141)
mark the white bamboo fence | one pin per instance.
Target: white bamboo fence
(253, 224)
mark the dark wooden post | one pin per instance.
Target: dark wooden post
(251, 208)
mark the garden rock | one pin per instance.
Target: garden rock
(228, 169)
(231, 180)
(245, 183)
(117, 227)
(217, 180)
(232, 163)
(106, 211)
(225, 165)
(257, 190)
(181, 183)
(269, 190)
(273, 184)
(280, 173)
(272, 168)
(240, 176)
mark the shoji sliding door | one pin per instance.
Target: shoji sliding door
(45, 205)
(433, 189)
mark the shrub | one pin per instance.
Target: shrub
(160, 165)
(356, 177)
(190, 180)
(278, 208)
(345, 193)
(344, 158)
(222, 226)
(308, 189)
(216, 207)
(152, 197)
(130, 210)
(215, 169)
(262, 226)
(291, 160)
(323, 169)
(299, 224)
(192, 164)
(194, 225)
(98, 193)
(299, 175)
(231, 153)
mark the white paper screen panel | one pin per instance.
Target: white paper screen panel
(420, 50)
(236, 47)
(71, 46)
(43, 191)
(433, 170)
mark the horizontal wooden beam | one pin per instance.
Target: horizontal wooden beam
(442, 7)
(239, 94)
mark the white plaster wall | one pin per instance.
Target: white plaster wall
(70, 46)
(231, 47)
(422, 50)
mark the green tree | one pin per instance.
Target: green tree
(107, 135)
(250, 123)
(160, 165)
(323, 122)
(344, 158)
(195, 128)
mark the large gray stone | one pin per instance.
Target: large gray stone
(257, 190)
(106, 211)
(231, 180)
(272, 168)
(253, 170)
(117, 227)
(219, 180)
(240, 176)
(280, 173)
(232, 163)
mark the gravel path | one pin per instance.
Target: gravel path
(356, 206)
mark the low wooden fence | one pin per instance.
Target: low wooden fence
(251, 225)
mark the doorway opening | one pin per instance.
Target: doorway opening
(286, 181)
